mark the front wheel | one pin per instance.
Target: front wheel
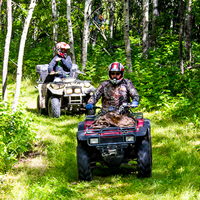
(144, 159)
(39, 109)
(54, 107)
(83, 163)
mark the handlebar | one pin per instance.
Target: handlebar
(123, 108)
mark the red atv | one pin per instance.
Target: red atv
(113, 146)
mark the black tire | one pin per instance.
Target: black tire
(83, 163)
(91, 112)
(39, 109)
(147, 124)
(144, 160)
(54, 107)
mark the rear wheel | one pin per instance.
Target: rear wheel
(39, 109)
(83, 163)
(54, 107)
(144, 160)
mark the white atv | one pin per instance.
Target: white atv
(69, 94)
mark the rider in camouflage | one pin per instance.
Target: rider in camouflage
(116, 91)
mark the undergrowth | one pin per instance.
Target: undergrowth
(51, 173)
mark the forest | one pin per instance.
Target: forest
(157, 41)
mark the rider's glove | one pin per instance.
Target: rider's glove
(134, 104)
(89, 106)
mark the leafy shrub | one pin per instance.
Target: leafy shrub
(16, 136)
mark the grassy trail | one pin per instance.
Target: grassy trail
(51, 171)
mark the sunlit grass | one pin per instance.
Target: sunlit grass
(52, 172)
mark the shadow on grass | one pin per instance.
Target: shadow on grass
(174, 166)
(123, 170)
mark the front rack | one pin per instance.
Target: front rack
(111, 130)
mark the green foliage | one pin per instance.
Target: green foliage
(53, 174)
(16, 136)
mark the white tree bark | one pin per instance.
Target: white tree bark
(145, 44)
(6, 51)
(21, 54)
(155, 15)
(188, 28)
(55, 26)
(181, 37)
(86, 31)
(111, 17)
(126, 36)
(70, 31)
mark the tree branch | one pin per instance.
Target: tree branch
(192, 67)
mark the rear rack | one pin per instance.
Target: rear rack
(138, 115)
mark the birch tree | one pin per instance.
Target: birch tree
(86, 31)
(111, 17)
(181, 37)
(145, 44)
(126, 36)
(70, 31)
(188, 28)
(55, 26)
(6, 51)
(21, 53)
(154, 16)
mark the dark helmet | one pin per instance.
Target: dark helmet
(62, 48)
(116, 67)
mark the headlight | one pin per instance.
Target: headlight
(77, 90)
(94, 140)
(130, 138)
(69, 91)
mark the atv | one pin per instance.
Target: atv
(113, 146)
(69, 94)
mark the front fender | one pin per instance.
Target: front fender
(142, 132)
(81, 135)
(55, 92)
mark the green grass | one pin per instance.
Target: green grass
(51, 172)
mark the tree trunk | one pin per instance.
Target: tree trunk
(6, 51)
(111, 17)
(2, 18)
(180, 37)
(86, 32)
(21, 53)
(70, 31)
(126, 36)
(188, 28)
(0, 9)
(155, 15)
(55, 27)
(145, 45)
(172, 16)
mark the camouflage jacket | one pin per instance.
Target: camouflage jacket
(114, 95)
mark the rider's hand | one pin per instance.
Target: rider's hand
(89, 106)
(134, 104)
(52, 72)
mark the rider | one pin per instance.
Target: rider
(116, 91)
(62, 62)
